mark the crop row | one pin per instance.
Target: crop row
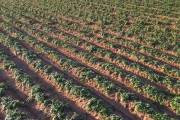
(93, 104)
(50, 106)
(43, 48)
(104, 53)
(159, 35)
(9, 105)
(139, 56)
(86, 56)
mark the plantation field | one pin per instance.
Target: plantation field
(90, 59)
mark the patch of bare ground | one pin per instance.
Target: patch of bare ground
(2, 113)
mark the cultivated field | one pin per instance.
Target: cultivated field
(90, 59)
